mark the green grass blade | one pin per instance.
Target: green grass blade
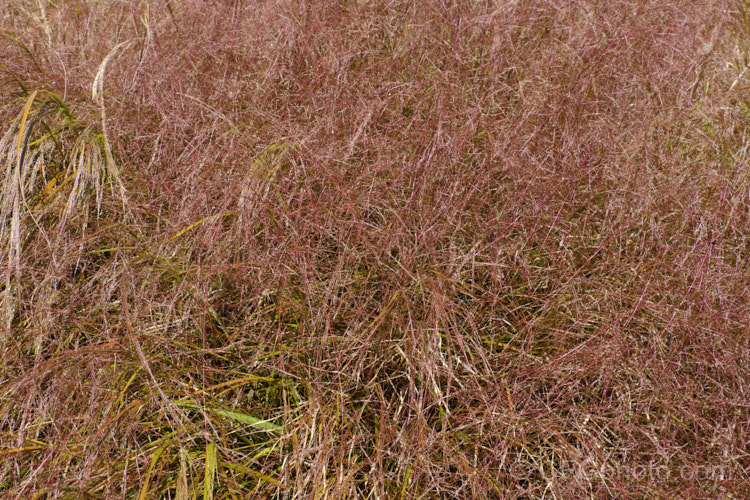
(211, 469)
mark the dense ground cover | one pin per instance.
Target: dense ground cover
(374, 249)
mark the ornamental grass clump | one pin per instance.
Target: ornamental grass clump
(374, 249)
(55, 168)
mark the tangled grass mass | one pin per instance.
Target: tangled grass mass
(374, 249)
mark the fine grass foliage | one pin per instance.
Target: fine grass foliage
(48, 177)
(375, 250)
